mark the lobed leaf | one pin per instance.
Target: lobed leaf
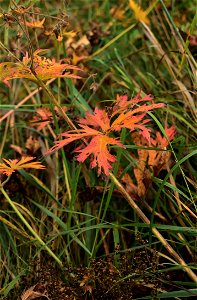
(45, 69)
(128, 115)
(101, 155)
(12, 165)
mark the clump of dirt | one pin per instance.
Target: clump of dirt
(123, 276)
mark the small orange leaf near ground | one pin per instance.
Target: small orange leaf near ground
(11, 165)
(118, 13)
(21, 10)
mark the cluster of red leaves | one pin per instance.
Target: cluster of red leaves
(149, 161)
(11, 165)
(44, 68)
(97, 129)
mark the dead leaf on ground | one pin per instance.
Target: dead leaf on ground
(30, 294)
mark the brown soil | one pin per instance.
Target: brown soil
(122, 277)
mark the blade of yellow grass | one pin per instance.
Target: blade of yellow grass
(14, 228)
(172, 69)
(112, 41)
(142, 17)
(29, 227)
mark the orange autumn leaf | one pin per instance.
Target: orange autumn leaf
(96, 130)
(118, 13)
(43, 117)
(45, 69)
(97, 147)
(131, 116)
(140, 14)
(73, 135)
(101, 155)
(98, 119)
(11, 165)
(35, 24)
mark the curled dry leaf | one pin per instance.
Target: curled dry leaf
(17, 149)
(149, 161)
(85, 283)
(32, 144)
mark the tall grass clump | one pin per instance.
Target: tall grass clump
(98, 147)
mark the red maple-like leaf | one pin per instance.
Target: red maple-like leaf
(122, 100)
(98, 127)
(98, 119)
(132, 118)
(97, 147)
(101, 155)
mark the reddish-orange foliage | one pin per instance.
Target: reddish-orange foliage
(98, 127)
(11, 165)
(45, 69)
